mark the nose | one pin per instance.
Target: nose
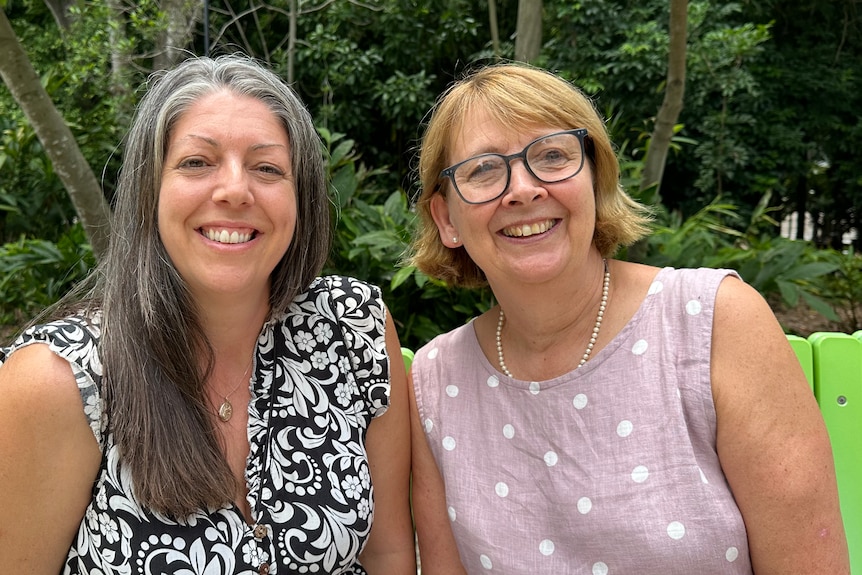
(234, 185)
(523, 187)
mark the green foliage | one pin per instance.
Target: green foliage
(74, 68)
(35, 273)
(717, 237)
(771, 111)
(33, 201)
(844, 288)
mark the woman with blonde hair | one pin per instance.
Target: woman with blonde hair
(605, 416)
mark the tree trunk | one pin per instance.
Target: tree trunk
(119, 58)
(56, 138)
(291, 40)
(495, 34)
(60, 11)
(182, 16)
(528, 36)
(673, 97)
(801, 204)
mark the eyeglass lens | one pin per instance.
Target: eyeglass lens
(550, 159)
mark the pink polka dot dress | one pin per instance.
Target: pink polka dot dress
(609, 469)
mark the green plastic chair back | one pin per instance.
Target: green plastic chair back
(838, 388)
(802, 347)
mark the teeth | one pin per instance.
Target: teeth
(529, 230)
(225, 237)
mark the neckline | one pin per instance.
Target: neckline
(596, 360)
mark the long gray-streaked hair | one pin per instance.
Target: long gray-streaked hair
(155, 354)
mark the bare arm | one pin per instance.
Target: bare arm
(772, 441)
(438, 551)
(390, 548)
(48, 461)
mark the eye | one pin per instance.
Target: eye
(270, 169)
(482, 168)
(192, 163)
(551, 156)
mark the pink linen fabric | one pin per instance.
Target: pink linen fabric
(609, 469)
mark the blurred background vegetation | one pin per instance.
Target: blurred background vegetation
(770, 127)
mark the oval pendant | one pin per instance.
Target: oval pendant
(225, 411)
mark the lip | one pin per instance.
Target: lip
(525, 230)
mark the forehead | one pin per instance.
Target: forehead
(479, 131)
(229, 114)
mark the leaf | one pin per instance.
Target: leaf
(820, 306)
(789, 292)
(401, 276)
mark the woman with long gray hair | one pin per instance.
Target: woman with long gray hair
(207, 403)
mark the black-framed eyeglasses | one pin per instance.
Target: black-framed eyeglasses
(549, 159)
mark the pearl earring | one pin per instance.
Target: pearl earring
(454, 239)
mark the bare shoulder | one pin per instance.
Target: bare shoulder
(630, 284)
(40, 397)
(35, 377)
(749, 347)
(771, 440)
(49, 458)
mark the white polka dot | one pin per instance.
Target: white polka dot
(640, 474)
(429, 425)
(732, 554)
(702, 476)
(452, 514)
(600, 568)
(624, 429)
(693, 307)
(508, 431)
(493, 381)
(485, 561)
(502, 489)
(448, 443)
(676, 530)
(534, 387)
(551, 459)
(452, 390)
(433, 353)
(640, 347)
(585, 504)
(655, 288)
(546, 547)
(580, 401)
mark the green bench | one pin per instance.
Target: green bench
(832, 362)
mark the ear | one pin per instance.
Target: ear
(449, 235)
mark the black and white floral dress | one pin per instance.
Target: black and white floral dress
(321, 374)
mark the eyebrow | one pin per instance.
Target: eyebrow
(215, 143)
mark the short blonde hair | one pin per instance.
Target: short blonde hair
(518, 96)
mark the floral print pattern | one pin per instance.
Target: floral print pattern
(321, 375)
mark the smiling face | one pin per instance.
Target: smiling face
(227, 202)
(534, 231)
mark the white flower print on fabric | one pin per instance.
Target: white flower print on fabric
(351, 487)
(321, 375)
(304, 341)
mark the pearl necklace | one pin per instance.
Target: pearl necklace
(602, 306)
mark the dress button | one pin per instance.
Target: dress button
(263, 569)
(259, 531)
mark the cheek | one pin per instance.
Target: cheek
(284, 216)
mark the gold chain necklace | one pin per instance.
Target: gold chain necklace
(225, 410)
